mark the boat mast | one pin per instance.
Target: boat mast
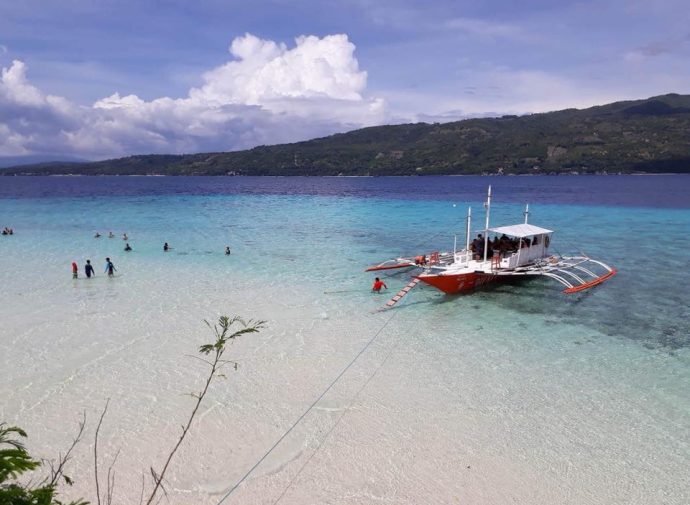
(486, 230)
(469, 229)
(526, 212)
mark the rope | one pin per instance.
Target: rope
(335, 425)
(299, 419)
(428, 240)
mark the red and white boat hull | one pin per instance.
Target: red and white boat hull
(460, 282)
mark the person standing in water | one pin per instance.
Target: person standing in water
(128, 247)
(88, 269)
(110, 268)
(166, 247)
(227, 250)
(111, 234)
(378, 284)
(75, 270)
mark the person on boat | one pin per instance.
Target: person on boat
(110, 268)
(227, 250)
(97, 235)
(75, 270)
(378, 284)
(128, 247)
(166, 247)
(478, 247)
(88, 269)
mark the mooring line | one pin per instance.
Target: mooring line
(335, 425)
(299, 419)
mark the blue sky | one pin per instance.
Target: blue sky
(98, 79)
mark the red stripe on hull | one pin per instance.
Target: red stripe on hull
(459, 283)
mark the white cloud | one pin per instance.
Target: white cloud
(268, 93)
(15, 88)
(264, 72)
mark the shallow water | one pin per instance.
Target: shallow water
(517, 393)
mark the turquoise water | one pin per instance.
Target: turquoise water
(517, 393)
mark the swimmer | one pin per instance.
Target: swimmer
(227, 250)
(97, 235)
(109, 268)
(127, 247)
(111, 234)
(88, 269)
(166, 247)
(124, 236)
(378, 284)
(75, 270)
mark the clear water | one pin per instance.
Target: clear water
(515, 394)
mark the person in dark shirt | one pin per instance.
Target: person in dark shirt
(88, 269)
(480, 247)
(166, 247)
(128, 247)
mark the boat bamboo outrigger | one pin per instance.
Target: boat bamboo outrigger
(517, 251)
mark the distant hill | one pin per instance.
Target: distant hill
(646, 136)
(33, 159)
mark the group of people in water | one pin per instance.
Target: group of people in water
(128, 247)
(89, 270)
(7, 231)
(109, 267)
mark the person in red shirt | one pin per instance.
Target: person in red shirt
(75, 270)
(378, 284)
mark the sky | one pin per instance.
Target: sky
(97, 79)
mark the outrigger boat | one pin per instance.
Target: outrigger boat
(522, 251)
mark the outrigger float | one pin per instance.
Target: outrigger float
(522, 251)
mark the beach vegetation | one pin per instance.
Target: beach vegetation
(20, 486)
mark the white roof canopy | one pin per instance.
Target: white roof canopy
(520, 230)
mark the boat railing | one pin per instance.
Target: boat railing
(462, 258)
(524, 256)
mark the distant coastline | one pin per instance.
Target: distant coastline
(650, 136)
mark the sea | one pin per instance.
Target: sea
(513, 394)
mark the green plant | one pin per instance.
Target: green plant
(16, 461)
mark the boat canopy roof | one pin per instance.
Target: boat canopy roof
(521, 230)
